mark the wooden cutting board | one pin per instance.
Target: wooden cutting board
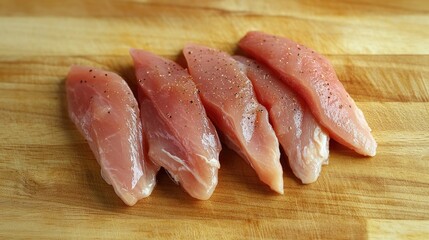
(50, 183)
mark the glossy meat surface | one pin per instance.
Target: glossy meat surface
(230, 101)
(180, 136)
(313, 77)
(103, 108)
(304, 141)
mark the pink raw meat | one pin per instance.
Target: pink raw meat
(304, 141)
(230, 101)
(103, 108)
(313, 77)
(180, 136)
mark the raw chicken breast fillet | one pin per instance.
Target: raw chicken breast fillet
(103, 108)
(230, 101)
(313, 77)
(304, 141)
(180, 136)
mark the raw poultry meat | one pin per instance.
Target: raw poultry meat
(180, 136)
(304, 141)
(105, 111)
(312, 76)
(230, 101)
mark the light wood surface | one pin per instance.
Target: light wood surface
(50, 183)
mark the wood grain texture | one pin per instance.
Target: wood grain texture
(50, 183)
